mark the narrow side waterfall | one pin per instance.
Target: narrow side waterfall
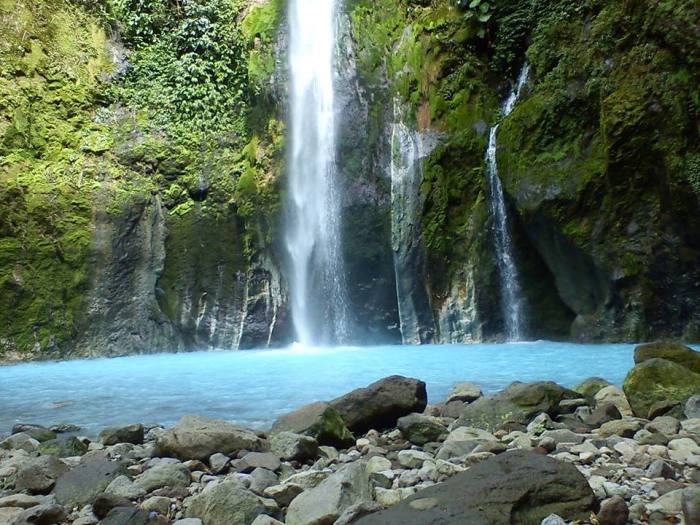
(405, 189)
(317, 277)
(511, 296)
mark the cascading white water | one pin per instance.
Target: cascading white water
(317, 282)
(511, 296)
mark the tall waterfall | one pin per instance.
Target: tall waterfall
(511, 296)
(316, 273)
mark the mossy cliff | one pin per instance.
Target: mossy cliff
(142, 152)
(140, 159)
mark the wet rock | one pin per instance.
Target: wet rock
(196, 437)
(319, 421)
(133, 434)
(380, 404)
(39, 475)
(163, 474)
(289, 446)
(37, 432)
(225, 503)
(41, 515)
(465, 392)
(82, 484)
(64, 428)
(613, 511)
(325, 503)
(486, 493)
(420, 429)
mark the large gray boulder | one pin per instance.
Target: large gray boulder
(163, 474)
(516, 405)
(515, 487)
(39, 475)
(323, 504)
(382, 403)
(319, 421)
(82, 484)
(196, 437)
(226, 503)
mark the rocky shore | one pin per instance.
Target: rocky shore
(535, 453)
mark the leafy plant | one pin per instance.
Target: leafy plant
(479, 12)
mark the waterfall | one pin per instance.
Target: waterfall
(511, 296)
(316, 273)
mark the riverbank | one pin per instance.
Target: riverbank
(593, 454)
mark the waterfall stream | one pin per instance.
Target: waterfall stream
(511, 296)
(316, 274)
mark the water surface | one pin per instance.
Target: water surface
(254, 387)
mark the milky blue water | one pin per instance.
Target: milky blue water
(254, 387)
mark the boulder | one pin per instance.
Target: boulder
(163, 474)
(420, 429)
(517, 404)
(226, 503)
(325, 503)
(124, 487)
(690, 504)
(38, 432)
(195, 437)
(133, 434)
(63, 447)
(290, 446)
(39, 475)
(591, 386)
(515, 487)
(253, 460)
(41, 515)
(612, 395)
(20, 441)
(105, 502)
(464, 392)
(380, 404)
(657, 380)
(21, 501)
(678, 353)
(613, 511)
(82, 484)
(319, 421)
(129, 516)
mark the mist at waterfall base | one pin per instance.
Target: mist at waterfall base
(253, 388)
